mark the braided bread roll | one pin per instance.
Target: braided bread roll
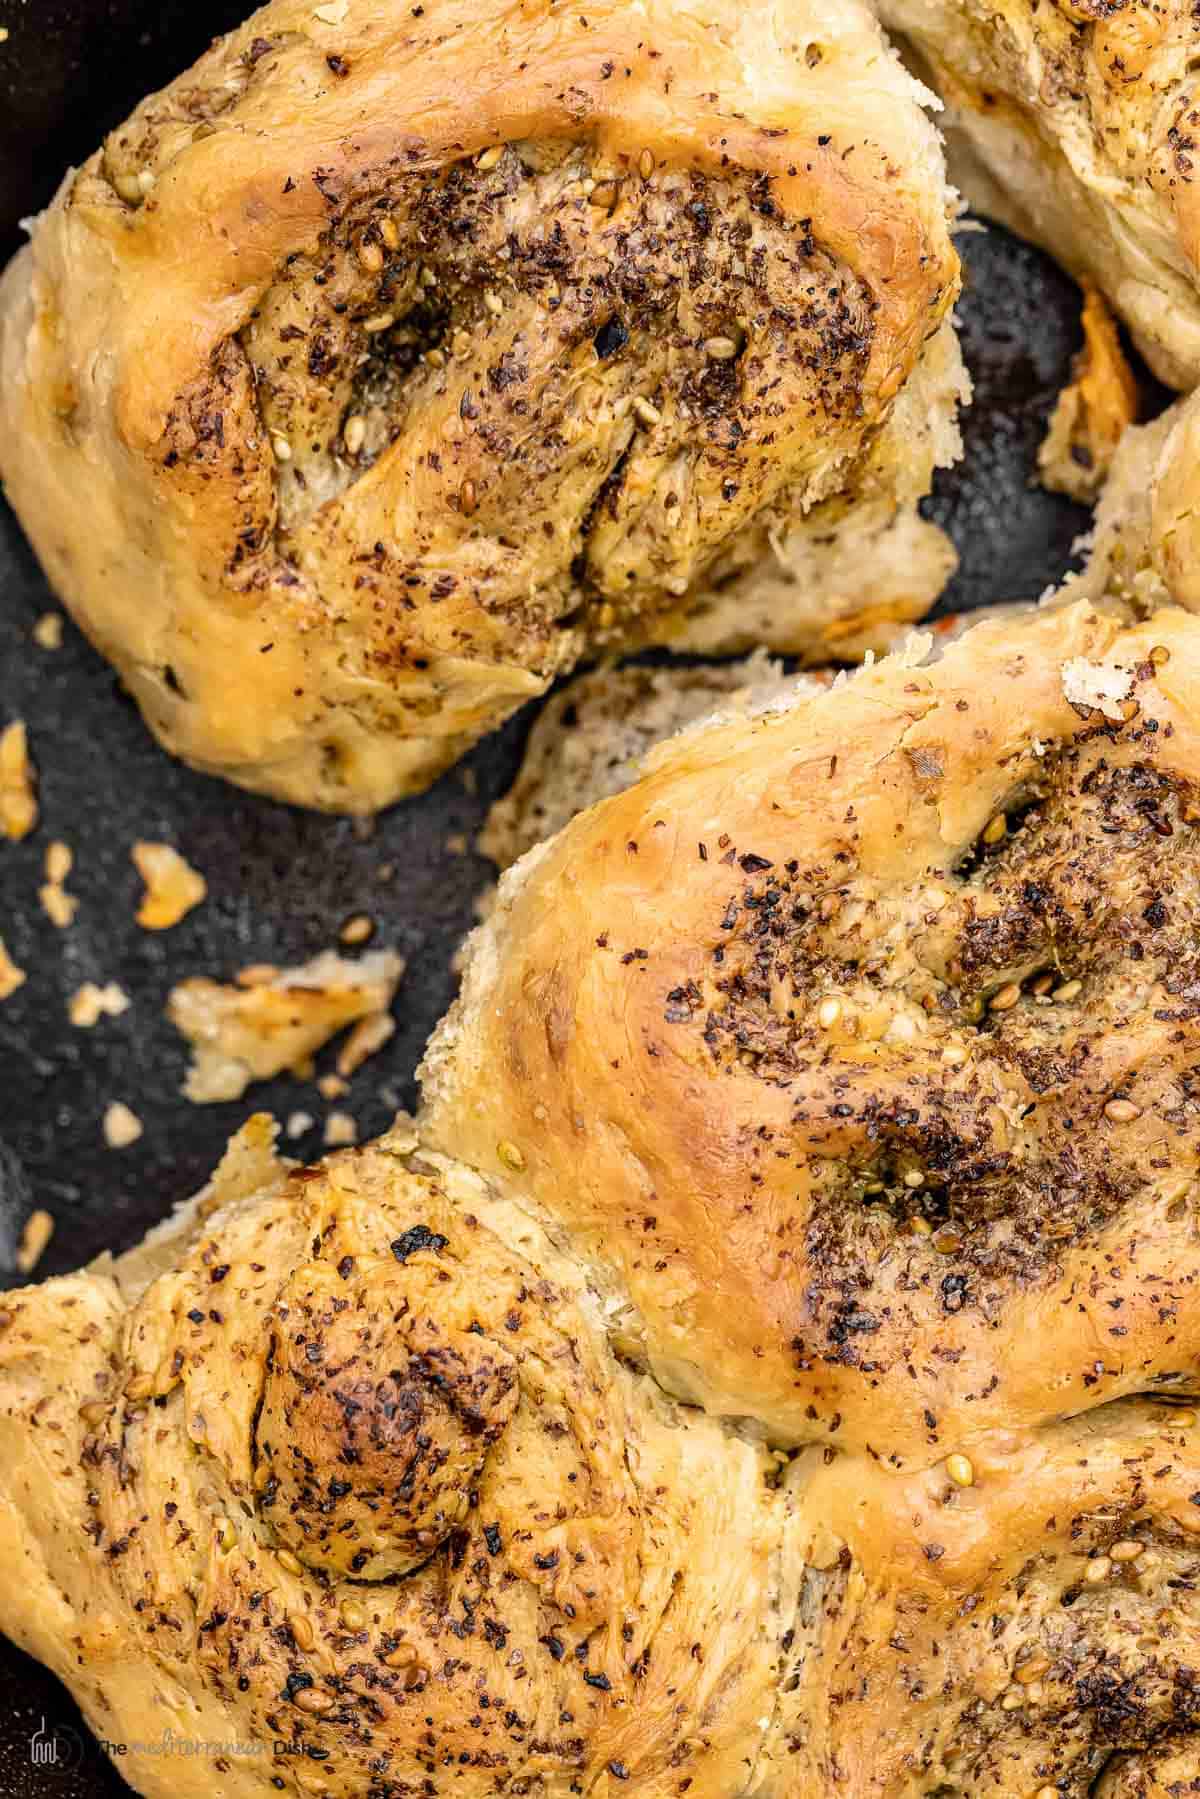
(393, 356)
(344, 1479)
(1074, 122)
(766, 1366)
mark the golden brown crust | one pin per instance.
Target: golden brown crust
(1074, 122)
(387, 358)
(763, 1030)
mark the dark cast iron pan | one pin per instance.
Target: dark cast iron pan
(282, 882)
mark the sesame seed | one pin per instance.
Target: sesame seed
(1068, 991)
(1184, 1417)
(1160, 655)
(1097, 1570)
(487, 159)
(954, 1055)
(996, 831)
(401, 1657)
(1130, 709)
(1032, 1669)
(227, 1535)
(1012, 1701)
(282, 448)
(379, 321)
(510, 1155)
(721, 349)
(920, 1226)
(426, 276)
(1127, 1550)
(370, 255)
(646, 164)
(389, 231)
(468, 498)
(493, 302)
(436, 358)
(302, 1631)
(961, 1470)
(291, 1562)
(1042, 985)
(947, 1241)
(262, 1477)
(460, 343)
(914, 1178)
(828, 1013)
(1006, 999)
(352, 1614)
(1122, 1111)
(94, 1412)
(310, 1699)
(646, 410)
(355, 434)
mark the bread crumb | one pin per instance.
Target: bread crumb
(456, 844)
(173, 886)
(1092, 413)
(11, 977)
(89, 1004)
(359, 929)
(241, 1034)
(1097, 686)
(365, 1040)
(18, 806)
(332, 1086)
(298, 1123)
(59, 905)
(340, 1129)
(48, 632)
(121, 1126)
(35, 1240)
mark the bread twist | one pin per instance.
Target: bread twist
(766, 1366)
(1075, 122)
(392, 356)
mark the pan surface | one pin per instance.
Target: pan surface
(282, 882)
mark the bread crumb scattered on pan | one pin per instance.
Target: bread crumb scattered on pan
(298, 1123)
(1092, 413)
(89, 1004)
(365, 1040)
(18, 804)
(11, 977)
(241, 1034)
(340, 1130)
(35, 1240)
(357, 930)
(121, 1125)
(332, 1086)
(173, 886)
(48, 632)
(59, 905)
